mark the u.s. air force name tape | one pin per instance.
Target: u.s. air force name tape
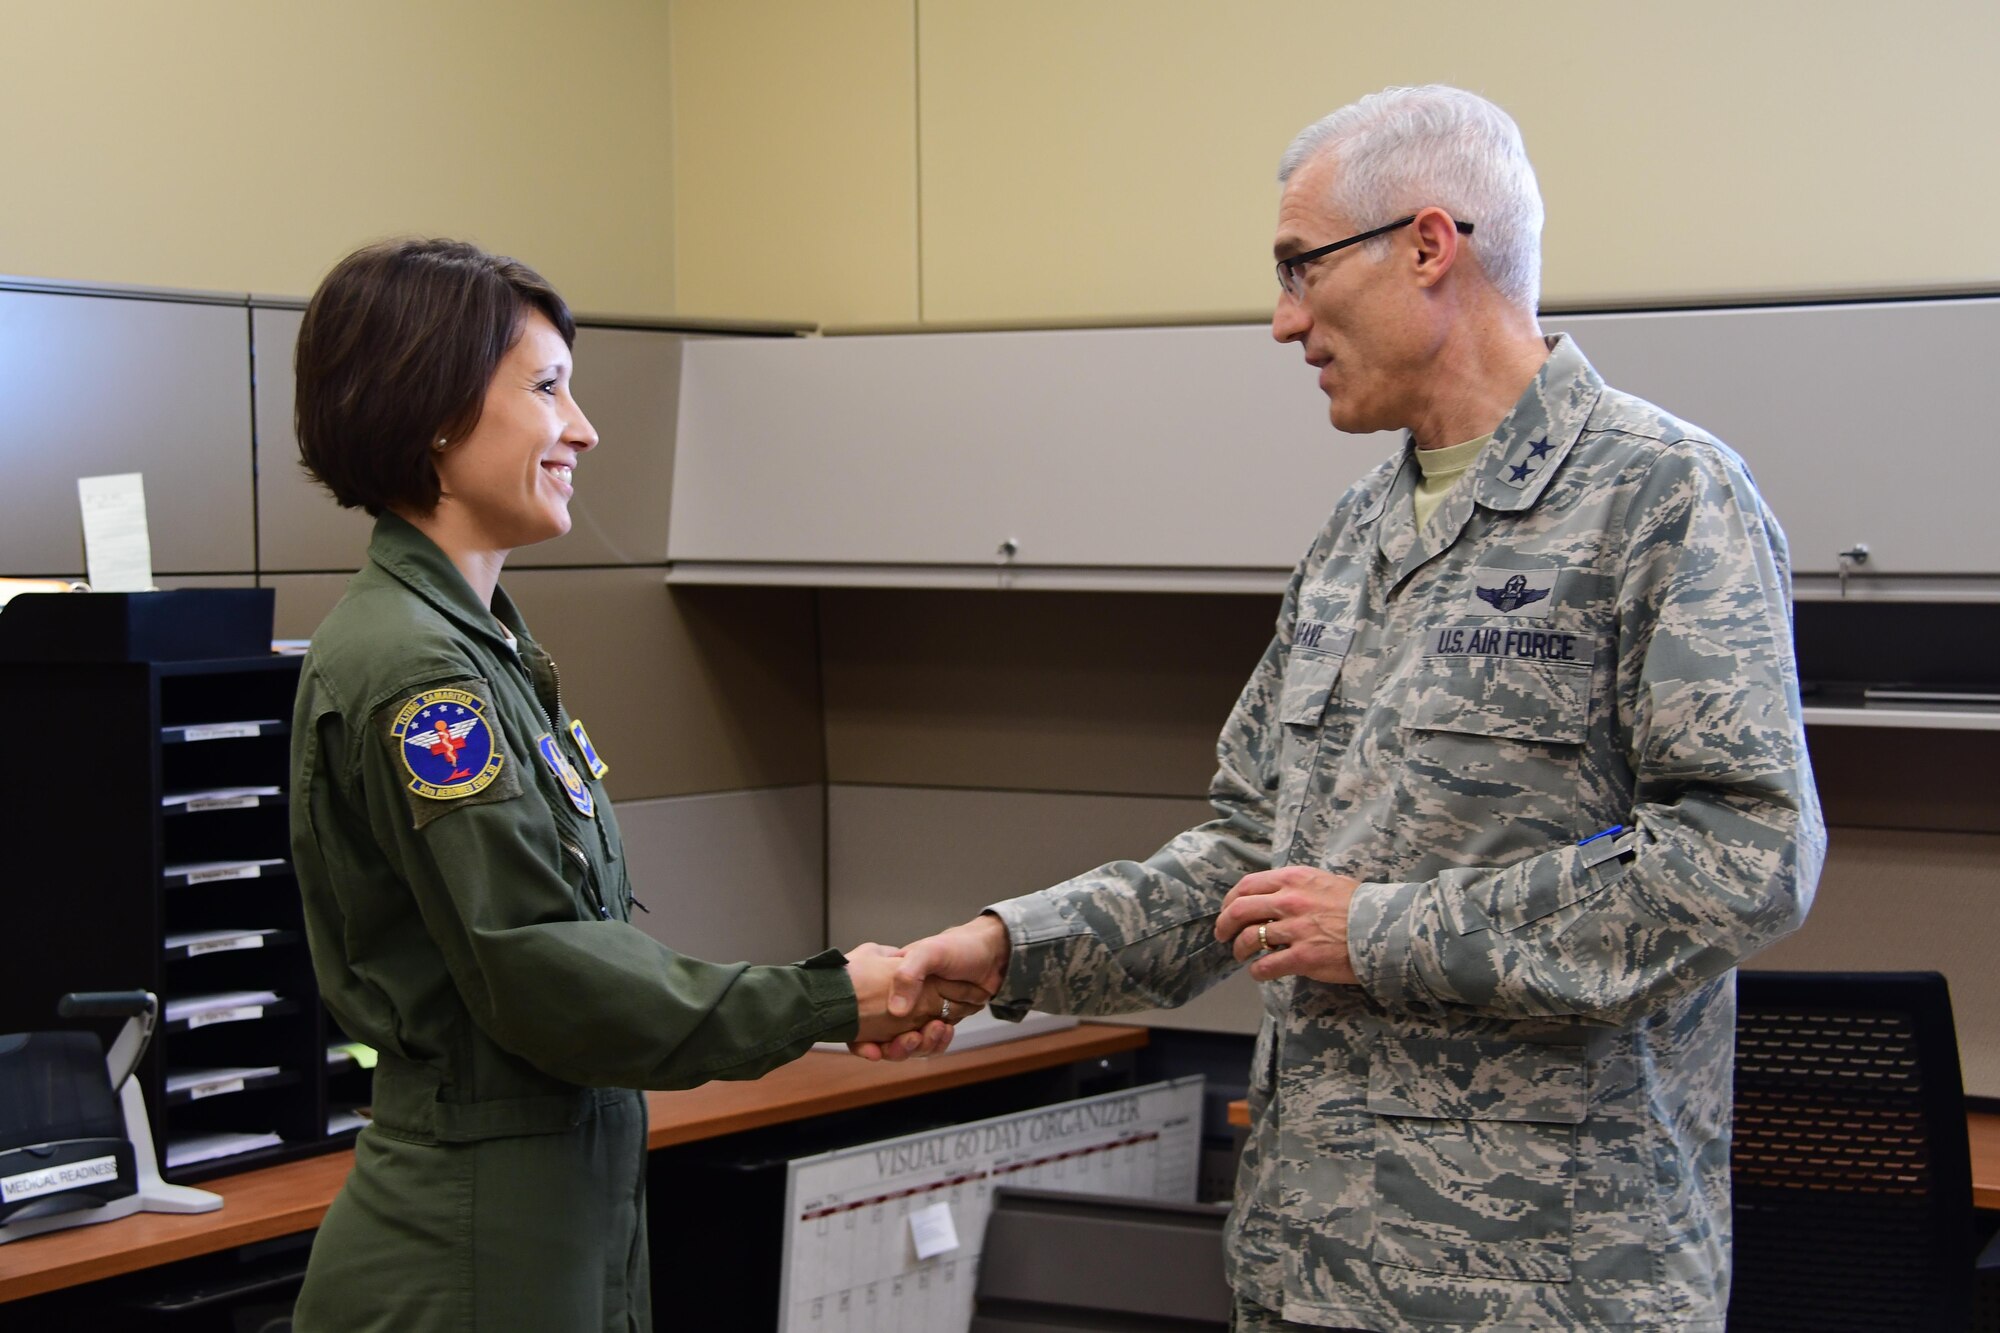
(1529, 645)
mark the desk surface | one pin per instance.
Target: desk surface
(282, 1200)
(1982, 1128)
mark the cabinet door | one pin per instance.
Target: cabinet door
(1123, 448)
(105, 385)
(1862, 423)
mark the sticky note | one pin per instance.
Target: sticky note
(932, 1230)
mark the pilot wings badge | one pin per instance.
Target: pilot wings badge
(446, 744)
(1514, 589)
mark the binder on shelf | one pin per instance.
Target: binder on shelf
(186, 624)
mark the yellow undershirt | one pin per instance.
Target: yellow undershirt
(1442, 468)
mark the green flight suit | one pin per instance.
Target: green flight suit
(466, 900)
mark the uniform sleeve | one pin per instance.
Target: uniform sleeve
(1727, 838)
(592, 1002)
(1136, 935)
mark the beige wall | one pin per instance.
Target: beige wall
(1113, 159)
(795, 159)
(242, 145)
(882, 162)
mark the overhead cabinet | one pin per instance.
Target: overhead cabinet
(1202, 457)
(1866, 425)
(882, 458)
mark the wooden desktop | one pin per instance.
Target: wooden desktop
(292, 1197)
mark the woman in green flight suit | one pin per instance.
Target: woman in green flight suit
(465, 888)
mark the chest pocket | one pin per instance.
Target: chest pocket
(1500, 737)
(1501, 698)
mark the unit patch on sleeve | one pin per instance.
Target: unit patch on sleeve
(572, 781)
(447, 744)
(598, 768)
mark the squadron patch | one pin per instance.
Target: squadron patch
(572, 782)
(598, 768)
(446, 744)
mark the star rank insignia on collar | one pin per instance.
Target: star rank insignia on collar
(1520, 473)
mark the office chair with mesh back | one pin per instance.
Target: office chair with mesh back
(1852, 1179)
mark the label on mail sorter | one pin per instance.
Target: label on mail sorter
(55, 1179)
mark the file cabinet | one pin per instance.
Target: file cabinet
(145, 810)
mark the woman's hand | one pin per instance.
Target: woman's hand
(922, 1029)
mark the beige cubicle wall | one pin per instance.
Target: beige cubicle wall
(102, 385)
(986, 744)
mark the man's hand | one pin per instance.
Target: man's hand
(1303, 915)
(922, 1028)
(974, 954)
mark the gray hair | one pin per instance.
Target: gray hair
(1403, 149)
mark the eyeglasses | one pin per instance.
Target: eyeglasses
(1291, 271)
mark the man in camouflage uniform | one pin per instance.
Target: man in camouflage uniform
(1511, 792)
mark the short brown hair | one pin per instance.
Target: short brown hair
(397, 348)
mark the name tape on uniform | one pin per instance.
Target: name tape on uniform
(1556, 647)
(1320, 637)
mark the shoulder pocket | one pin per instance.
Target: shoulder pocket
(1309, 681)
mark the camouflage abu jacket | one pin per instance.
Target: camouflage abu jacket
(1520, 1119)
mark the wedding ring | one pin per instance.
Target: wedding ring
(1264, 935)
(944, 1010)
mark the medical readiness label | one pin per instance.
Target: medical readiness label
(1529, 645)
(50, 1180)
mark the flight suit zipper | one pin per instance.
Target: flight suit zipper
(555, 687)
(589, 881)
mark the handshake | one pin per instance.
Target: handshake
(1291, 921)
(910, 998)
